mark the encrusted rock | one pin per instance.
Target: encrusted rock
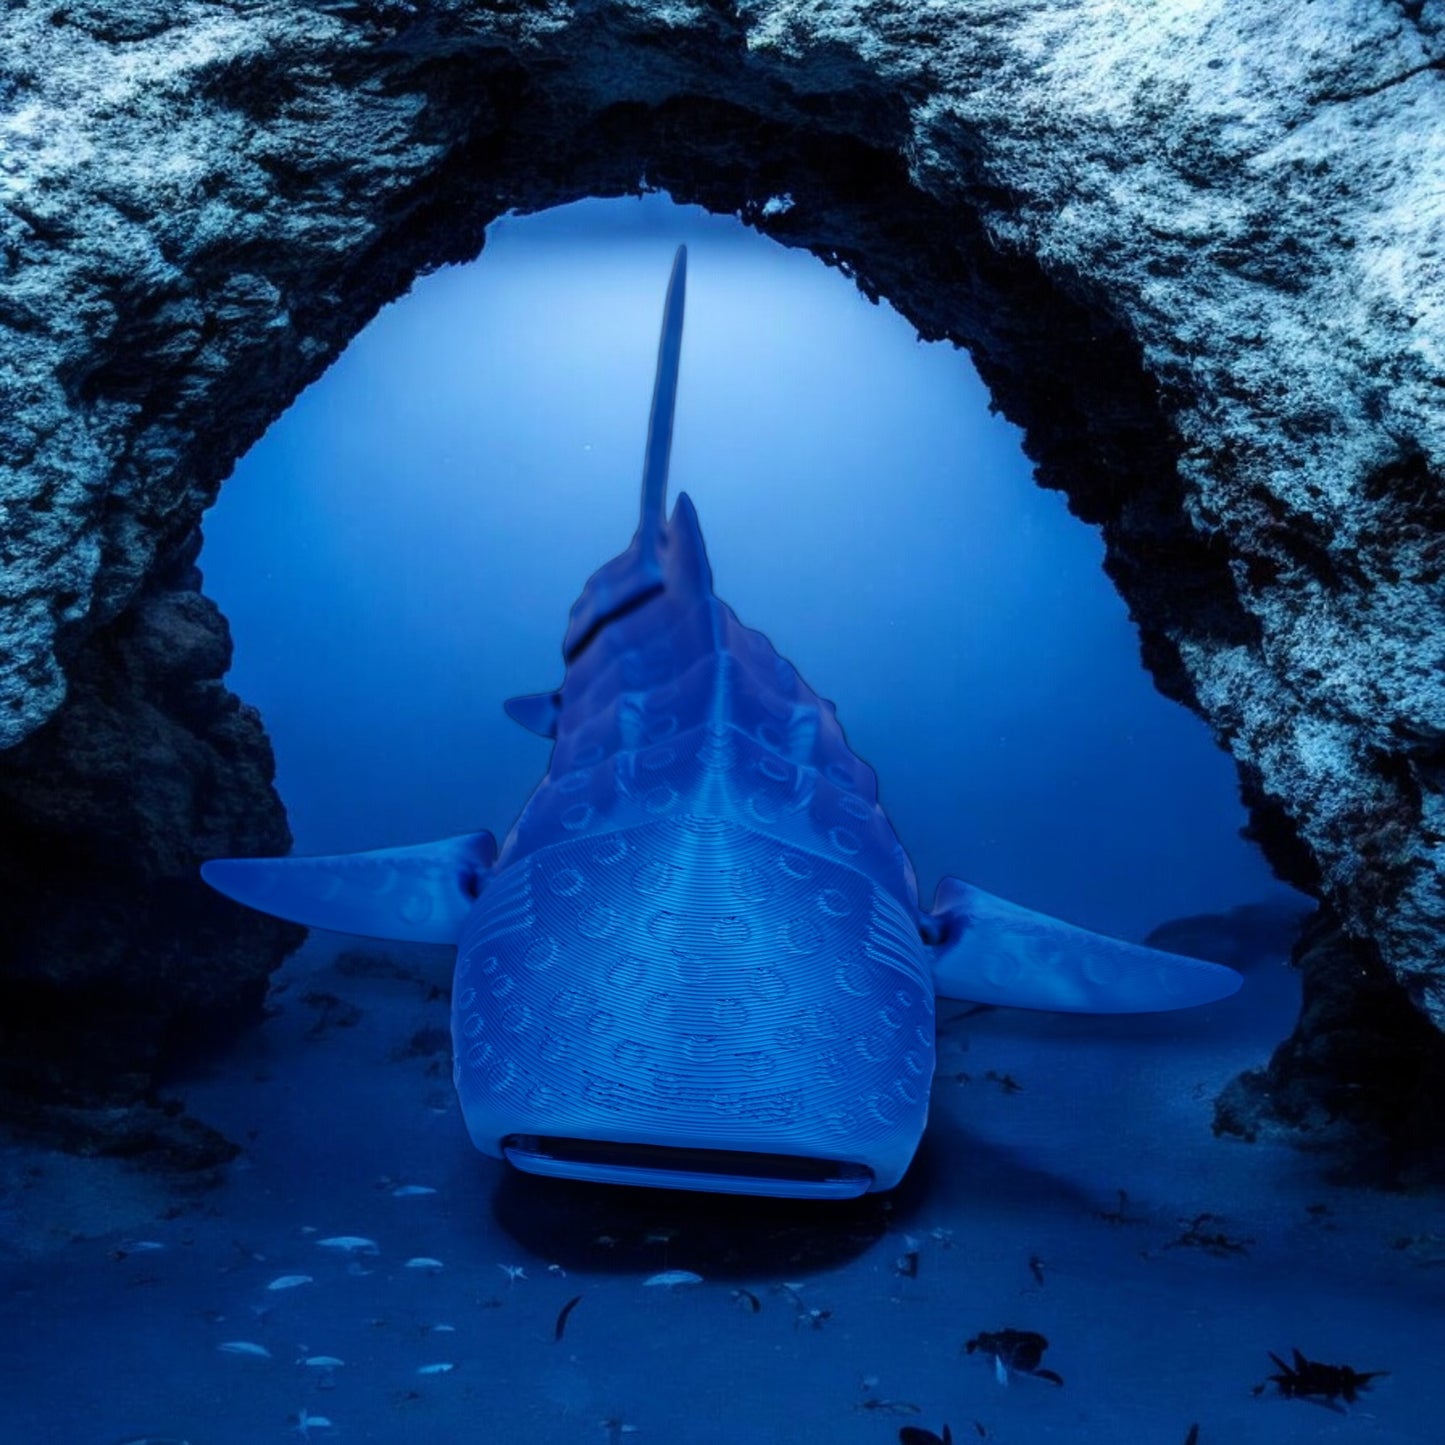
(1195, 251)
(116, 962)
(1361, 1077)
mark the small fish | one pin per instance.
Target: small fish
(443, 1329)
(323, 1362)
(917, 1435)
(411, 1191)
(129, 1247)
(350, 1244)
(745, 1299)
(907, 1265)
(1120, 1215)
(1036, 1268)
(890, 1407)
(423, 1261)
(566, 1310)
(1192, 1438)
(245, 1347)
(672, 1278)
(442, 1367)
(152, 1440)
(306, 1421)
(514, 1272)
(290, 1281)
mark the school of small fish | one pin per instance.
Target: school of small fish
(1010, 1351)
(321, 1367)
(290, 1281)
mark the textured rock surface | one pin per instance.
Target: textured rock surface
(115, 961)
(1360, 1078)
(1196, 251)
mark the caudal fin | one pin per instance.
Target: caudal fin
(636, 574)
(664, 405)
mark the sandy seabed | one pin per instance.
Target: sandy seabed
(1069, 1184)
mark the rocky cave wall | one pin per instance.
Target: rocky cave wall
(1196, 252)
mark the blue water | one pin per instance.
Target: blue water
(399, 552)
(396, 557)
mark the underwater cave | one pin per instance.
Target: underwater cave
(1139, 306)
(1191, 255)
(473, 455)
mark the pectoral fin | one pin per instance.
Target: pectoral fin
(416, 895)
(992, 951)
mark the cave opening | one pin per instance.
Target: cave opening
(398, 554)
(1055, 360)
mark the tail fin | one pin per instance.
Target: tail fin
(633, 576)
(664, 403)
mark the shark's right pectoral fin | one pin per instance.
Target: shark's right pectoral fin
(992, 951)
(416, 895)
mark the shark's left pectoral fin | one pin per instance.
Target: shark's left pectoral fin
(415, 895)
(992, 951)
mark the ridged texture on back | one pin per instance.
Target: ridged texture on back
(702, 929)
(676, 707)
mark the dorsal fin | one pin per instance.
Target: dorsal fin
(664, 404)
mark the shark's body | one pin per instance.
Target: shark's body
(699, 958)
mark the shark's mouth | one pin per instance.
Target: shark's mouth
(718, 1171)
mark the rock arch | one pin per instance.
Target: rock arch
(1196, 255)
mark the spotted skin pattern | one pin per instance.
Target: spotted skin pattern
(702, 927)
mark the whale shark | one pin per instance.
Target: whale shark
(698, 959)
